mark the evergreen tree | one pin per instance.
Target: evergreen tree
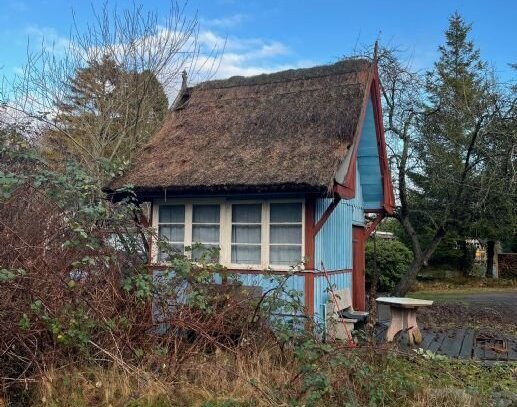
(456, 144)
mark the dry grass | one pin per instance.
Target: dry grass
(227, 379)
(446, 397)
(220, 376)
(464, 284)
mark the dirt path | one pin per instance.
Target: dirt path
(487, 310)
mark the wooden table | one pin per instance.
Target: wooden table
(403, 317)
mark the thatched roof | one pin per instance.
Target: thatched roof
(283, 131)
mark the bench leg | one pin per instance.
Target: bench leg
(396, 323)
(414, 334)
(404, 318)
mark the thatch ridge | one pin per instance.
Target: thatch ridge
(290, 75)
(282, 131)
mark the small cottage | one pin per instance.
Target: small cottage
(274, 170)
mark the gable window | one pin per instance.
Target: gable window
(171, 228)
(205, 228)
(246, 234)
(285, 233)
(252, 234)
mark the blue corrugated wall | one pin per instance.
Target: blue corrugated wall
(295, 282)
(321, 291)
(333, 245)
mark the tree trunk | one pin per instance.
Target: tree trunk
(409, 278)
(490, 252)
(418, 262)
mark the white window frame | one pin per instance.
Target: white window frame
(225, 229)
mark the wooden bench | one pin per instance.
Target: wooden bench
(341, 317)
(403, 317)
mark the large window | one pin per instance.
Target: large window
(249, 234)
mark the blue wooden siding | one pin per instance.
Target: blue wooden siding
(333, 242)
(321, 291)
(267, 282)
(368, 162)
(357, 202)
(295, 282)
(333, 246)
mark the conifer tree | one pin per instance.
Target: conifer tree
(455, 146)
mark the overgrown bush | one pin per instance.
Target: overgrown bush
(85, 323)
(392, 258)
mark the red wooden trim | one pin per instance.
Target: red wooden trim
(372, 226)
(358, 273)
(348, 184)
(325, 216)
(347, 190)
(310, 235)
(150, 240)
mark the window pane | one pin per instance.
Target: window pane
(171, 214)
(247, 213)
(285, 255)
(205, 233)
(205, 214)
(245, 254)
(246, 233)
(172, 233)
(211, 256)
(286, 234)
(286, 212)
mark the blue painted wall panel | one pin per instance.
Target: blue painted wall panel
(267, 282)
(333, 244)
(368, 162)
(321, 291)
(357, 203)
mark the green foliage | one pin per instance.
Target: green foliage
(10, 275)
(140, 284)
(466, 134)
(393, 258)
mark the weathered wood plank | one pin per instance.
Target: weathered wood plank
(451, 344)
(512, 349)
(478, 350)
(437, 342)
(467, 344)
(428, 338)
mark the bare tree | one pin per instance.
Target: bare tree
(99, 116)
(443, 151)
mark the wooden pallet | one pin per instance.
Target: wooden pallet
(461, 343)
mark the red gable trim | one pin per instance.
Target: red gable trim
(346, 190)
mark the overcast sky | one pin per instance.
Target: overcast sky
(264, 35)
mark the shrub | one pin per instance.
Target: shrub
(393, 258)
